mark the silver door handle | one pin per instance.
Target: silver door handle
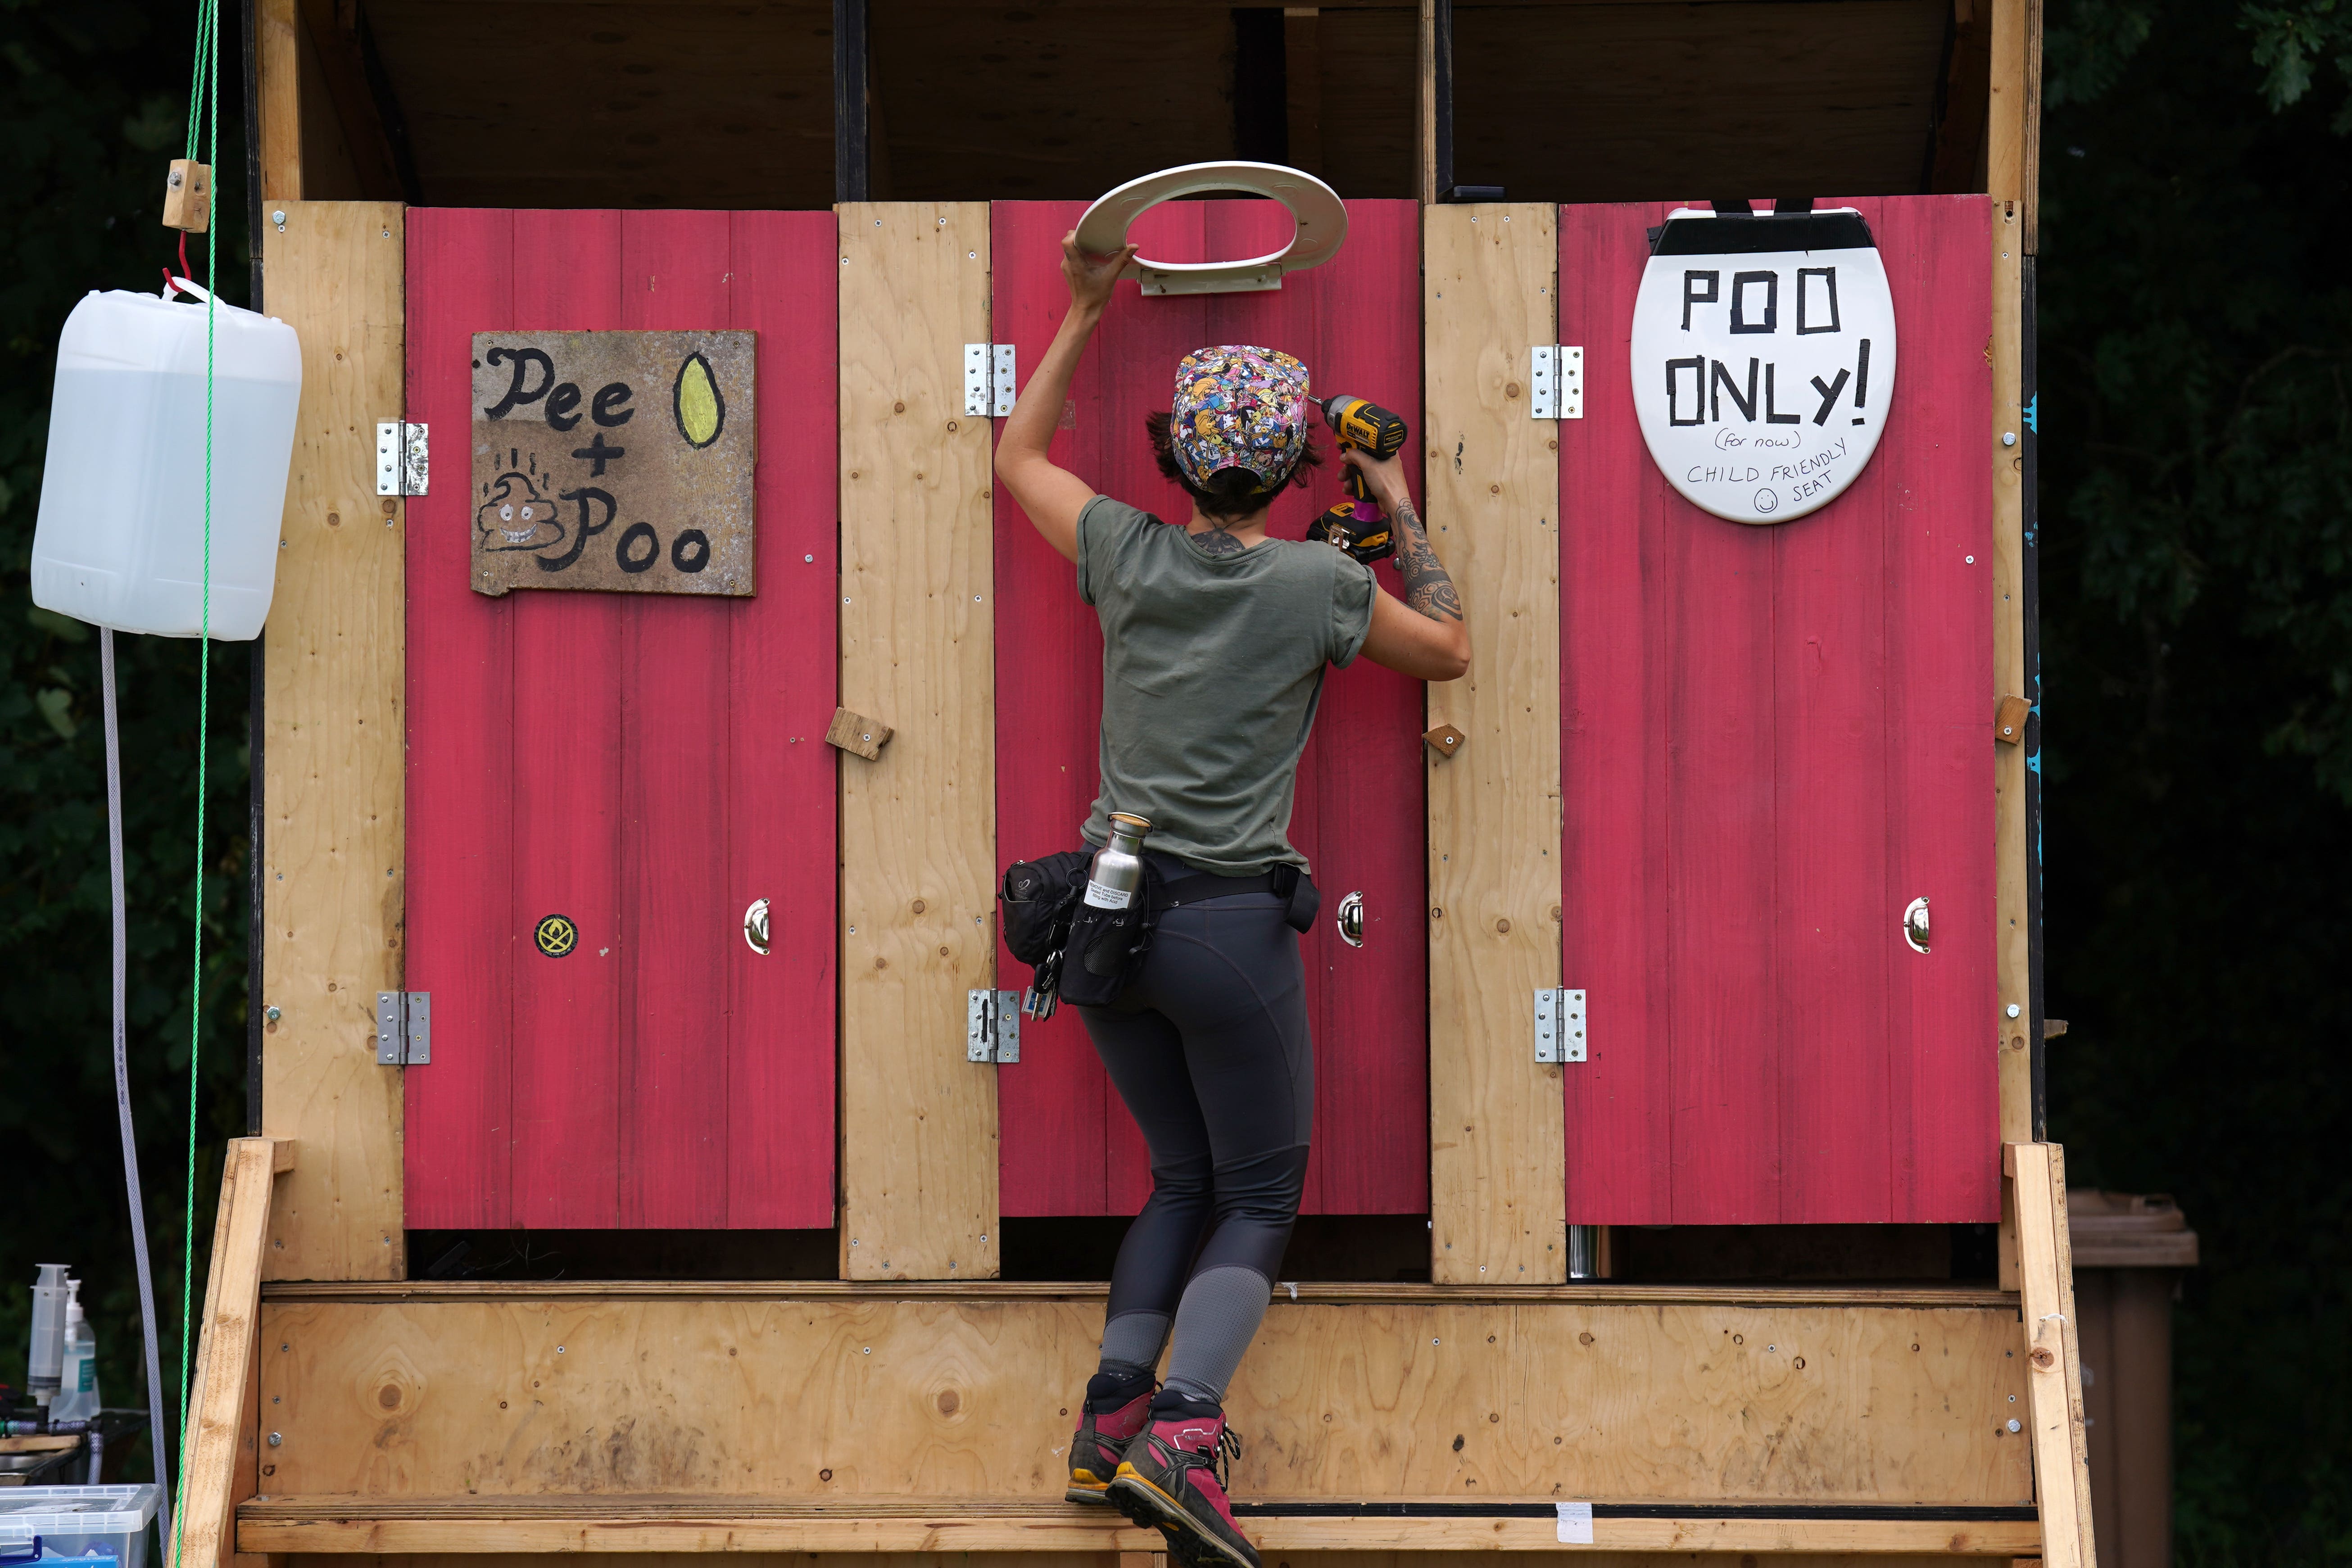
(1351, 920)
(755, 927)
(1915, 924)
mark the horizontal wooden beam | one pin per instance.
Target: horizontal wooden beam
(474, 1525)
(1599, 1293)
(820, 1397)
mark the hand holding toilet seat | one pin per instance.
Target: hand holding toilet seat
(1321, 220)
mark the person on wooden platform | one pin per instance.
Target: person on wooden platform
(1215, 640)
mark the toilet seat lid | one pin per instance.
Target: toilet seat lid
(1319, 216)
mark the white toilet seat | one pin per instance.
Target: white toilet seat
(1320, 217)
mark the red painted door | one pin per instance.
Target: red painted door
(645, 765)
(1773, 738)
(1068, 1146)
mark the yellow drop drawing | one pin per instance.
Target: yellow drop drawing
(701, 411)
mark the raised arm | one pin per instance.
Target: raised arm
(1051, 495)
(1425, 636)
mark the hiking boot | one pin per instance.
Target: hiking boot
(1095, 1450)
(1172, 1478)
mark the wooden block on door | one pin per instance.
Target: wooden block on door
(1497, 1158)
(2009, 720)
(1444, 741)
(918, 1121)
(855, 733)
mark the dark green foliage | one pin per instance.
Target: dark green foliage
(92, 107)
(2196, 440)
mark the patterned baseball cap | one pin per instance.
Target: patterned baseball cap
(1239, 407)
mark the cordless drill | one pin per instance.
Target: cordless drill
(1356, 525)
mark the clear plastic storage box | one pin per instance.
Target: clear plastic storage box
(102, 1522)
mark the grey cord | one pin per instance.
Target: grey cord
(156, 1430)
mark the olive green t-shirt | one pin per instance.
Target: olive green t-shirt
(1211, 669)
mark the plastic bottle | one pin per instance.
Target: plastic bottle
(46, 1359)
(120, 537)
(77, 1398)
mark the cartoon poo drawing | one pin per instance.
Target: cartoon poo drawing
(515, 516)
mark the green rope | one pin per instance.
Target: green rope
(204, 108)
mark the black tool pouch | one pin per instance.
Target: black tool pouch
(1037, 898)
(1106, 946)
(1300, 898)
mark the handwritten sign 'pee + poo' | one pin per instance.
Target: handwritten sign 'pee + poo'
(1763, 358)
(619, 461)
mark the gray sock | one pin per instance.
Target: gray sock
(1134, 1338)
(1215, 1324)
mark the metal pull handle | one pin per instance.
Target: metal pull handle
(1351, 920)
(1915, 924)
(755, 927)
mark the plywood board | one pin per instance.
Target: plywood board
(666, 104)
(1070, 1147)
(642, 766)
(1601, 102)
(334, 884)
(573, 488)
(1773, 739)
(1026, 1537)
(918, 1123)
(1496, 1197)
(819, 1396)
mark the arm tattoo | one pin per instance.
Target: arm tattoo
(1427, 588)
(1217, 541)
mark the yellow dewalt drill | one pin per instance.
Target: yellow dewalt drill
(1356, 525)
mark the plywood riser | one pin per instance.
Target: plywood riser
(825, 1399)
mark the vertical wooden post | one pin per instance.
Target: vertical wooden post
(2061, 1474)
(2011, 139)
(217, 1400)
(851, 102)
(918, 1123)
(1497, 1169)
(334, 750)
(1433, 116)
(277, 25)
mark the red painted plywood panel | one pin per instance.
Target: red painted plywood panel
(784, 675)
(460, 697)
(1070, 1147)
(674, 697)
(567, 752)
(643, 760)
(1779, 733)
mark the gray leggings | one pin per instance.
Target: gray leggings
(1209, 1048)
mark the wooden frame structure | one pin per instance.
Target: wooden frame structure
(894, 1409)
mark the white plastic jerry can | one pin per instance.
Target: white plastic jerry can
(120, 537)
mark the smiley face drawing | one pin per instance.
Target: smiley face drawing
(515, 516)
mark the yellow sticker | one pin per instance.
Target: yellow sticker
(556, 935)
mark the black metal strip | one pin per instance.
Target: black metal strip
(1868, 1513)
(852, 179)
(1442, 67)
(1756, 232)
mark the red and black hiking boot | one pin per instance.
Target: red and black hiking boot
(1173, 1479)
(1101, 1439)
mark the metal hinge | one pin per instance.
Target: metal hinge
(988, 380)
(402, 459)
(1559, 1026)
(1555, 381)
(403, 1028)
(992, 1026)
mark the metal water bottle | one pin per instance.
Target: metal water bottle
(1117, 875)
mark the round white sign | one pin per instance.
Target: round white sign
(1763, 352)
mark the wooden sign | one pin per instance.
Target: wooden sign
(619, 461)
